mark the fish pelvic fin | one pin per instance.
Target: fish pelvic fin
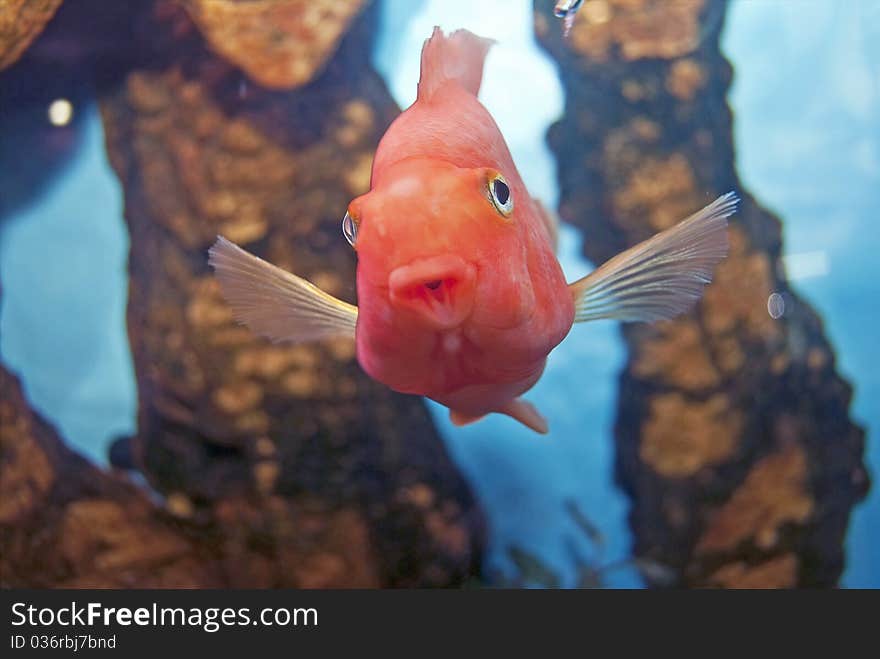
(527, 414)
(661, 277)
(459, 56)
(461, 419)
(519, 409)
(275, 303)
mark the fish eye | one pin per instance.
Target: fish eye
(500, 194)
(350, 229)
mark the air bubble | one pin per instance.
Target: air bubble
(775, 306)
(350, 229)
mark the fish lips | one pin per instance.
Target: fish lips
(440, 290)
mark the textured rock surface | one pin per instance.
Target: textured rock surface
(64, 523)
(21, 21)
(272, 466)
(225, 416)
(279, 43)
(733, 432)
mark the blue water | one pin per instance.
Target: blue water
(808, 146)
(65, 287)
(806, 98)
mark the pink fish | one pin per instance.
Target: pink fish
(461, 297)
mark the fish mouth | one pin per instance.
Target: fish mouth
(439, 289)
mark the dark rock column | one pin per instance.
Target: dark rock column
(733, 434)
(232, 427)
(275, 466)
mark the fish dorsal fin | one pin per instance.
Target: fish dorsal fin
(275, 303)
(661, 277)
(459, 56)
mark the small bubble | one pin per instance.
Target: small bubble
(775, 306)
(350, 229)
(242, 89)
(60, 112)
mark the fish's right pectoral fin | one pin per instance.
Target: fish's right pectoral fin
(661, 277)
(275, 303)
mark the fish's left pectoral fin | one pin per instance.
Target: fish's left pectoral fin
(275, 303)
(661, 277)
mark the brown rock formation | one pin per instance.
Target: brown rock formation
(275, 465)
(281, 44)
(733, 435)
(64, 523)
(223, 413)
(21, 21)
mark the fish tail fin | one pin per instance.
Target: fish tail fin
(275, 303)
(459, 56)
(661, 277)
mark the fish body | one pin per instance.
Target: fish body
(461, 297)
(500, 304)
